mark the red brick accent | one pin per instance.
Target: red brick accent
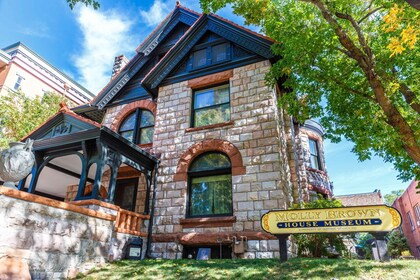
(211, 145)
(210, 238)
(210, 79)
(208, 222)
(217, 125)
(129, 108)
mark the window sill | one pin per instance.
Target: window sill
(148, 145)
(208, 222)
(217, 125)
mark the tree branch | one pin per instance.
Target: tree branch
(410, 97)
(369, 14)
(360, 36)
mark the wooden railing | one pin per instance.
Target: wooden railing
(130, 222)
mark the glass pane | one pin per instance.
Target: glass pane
(314, 162)
(211, 96)
(213, 115)
(219, 53)
(128, 123)
(147, 119)
(211, 195)
(313, 147)
(200, 58)
(146, 135)
(210, 162)
(128, 135)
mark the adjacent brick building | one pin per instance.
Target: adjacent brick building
(408, 204)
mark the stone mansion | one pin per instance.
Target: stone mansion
(186, 144)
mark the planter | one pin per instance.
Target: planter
(16, 162)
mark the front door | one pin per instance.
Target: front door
(126, 193)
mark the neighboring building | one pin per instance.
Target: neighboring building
(21, 68)
(408, 204)
(361, 199)
(188, 136)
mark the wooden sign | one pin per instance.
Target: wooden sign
(372, 218)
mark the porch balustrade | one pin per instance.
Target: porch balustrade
(130, 222)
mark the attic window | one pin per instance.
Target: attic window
(210, 55)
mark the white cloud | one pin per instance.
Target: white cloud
(37, 29)
(157, 12)
(106, 34)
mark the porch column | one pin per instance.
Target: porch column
(39, 164)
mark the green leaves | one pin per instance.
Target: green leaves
(20, 114)
(339, 70)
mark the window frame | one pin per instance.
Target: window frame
(18, 83)
(411, 221)
(207, 173)
(317, 156)
(208, 47)
(416, 209)
(193, 110)
(137, 129)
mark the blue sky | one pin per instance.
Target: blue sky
(83, 43)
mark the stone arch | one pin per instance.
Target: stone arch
(211, 145)
(128, 109)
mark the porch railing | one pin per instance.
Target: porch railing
(130, 222)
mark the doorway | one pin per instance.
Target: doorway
(126, 193)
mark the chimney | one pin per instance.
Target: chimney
(119, 63)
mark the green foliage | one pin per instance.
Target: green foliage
(317, 245)
(20, 114)
(342, 69)
(391, 197)
(364, 240)
(397, 243)
(93, 3)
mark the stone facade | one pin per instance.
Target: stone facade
(259, 139)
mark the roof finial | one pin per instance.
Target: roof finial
(63, 107)
(178, 3)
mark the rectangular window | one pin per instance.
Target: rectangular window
(410, 220)
(211, 195)
(313, 147)
(200, 58)
(417, 213)
(18, 82)
(211, 106)
(218, 53)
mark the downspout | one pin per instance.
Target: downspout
(152, 211)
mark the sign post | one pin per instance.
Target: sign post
(372, 218)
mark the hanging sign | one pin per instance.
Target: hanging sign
(372, 218)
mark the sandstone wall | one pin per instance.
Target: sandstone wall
(257, 132)
(53, 243)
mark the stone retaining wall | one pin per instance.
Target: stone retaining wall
(53, 243)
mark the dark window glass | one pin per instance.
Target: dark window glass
(200, 58)
(18, 83)
(315, 162)
(138, 127)
(218, 53)
(210, 191)
(410, 221)
(211, 106)
(126, 193)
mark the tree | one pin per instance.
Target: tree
(317, 245)
(93, 3)
(396, 243)
(20, 114)
(391, 197)
(353, 64)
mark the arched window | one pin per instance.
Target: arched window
(138, 127)
(210, 186)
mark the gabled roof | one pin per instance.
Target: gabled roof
(179, 14)
(243, 37)
(62, 123)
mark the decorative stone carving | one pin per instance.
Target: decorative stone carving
(16, 162)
